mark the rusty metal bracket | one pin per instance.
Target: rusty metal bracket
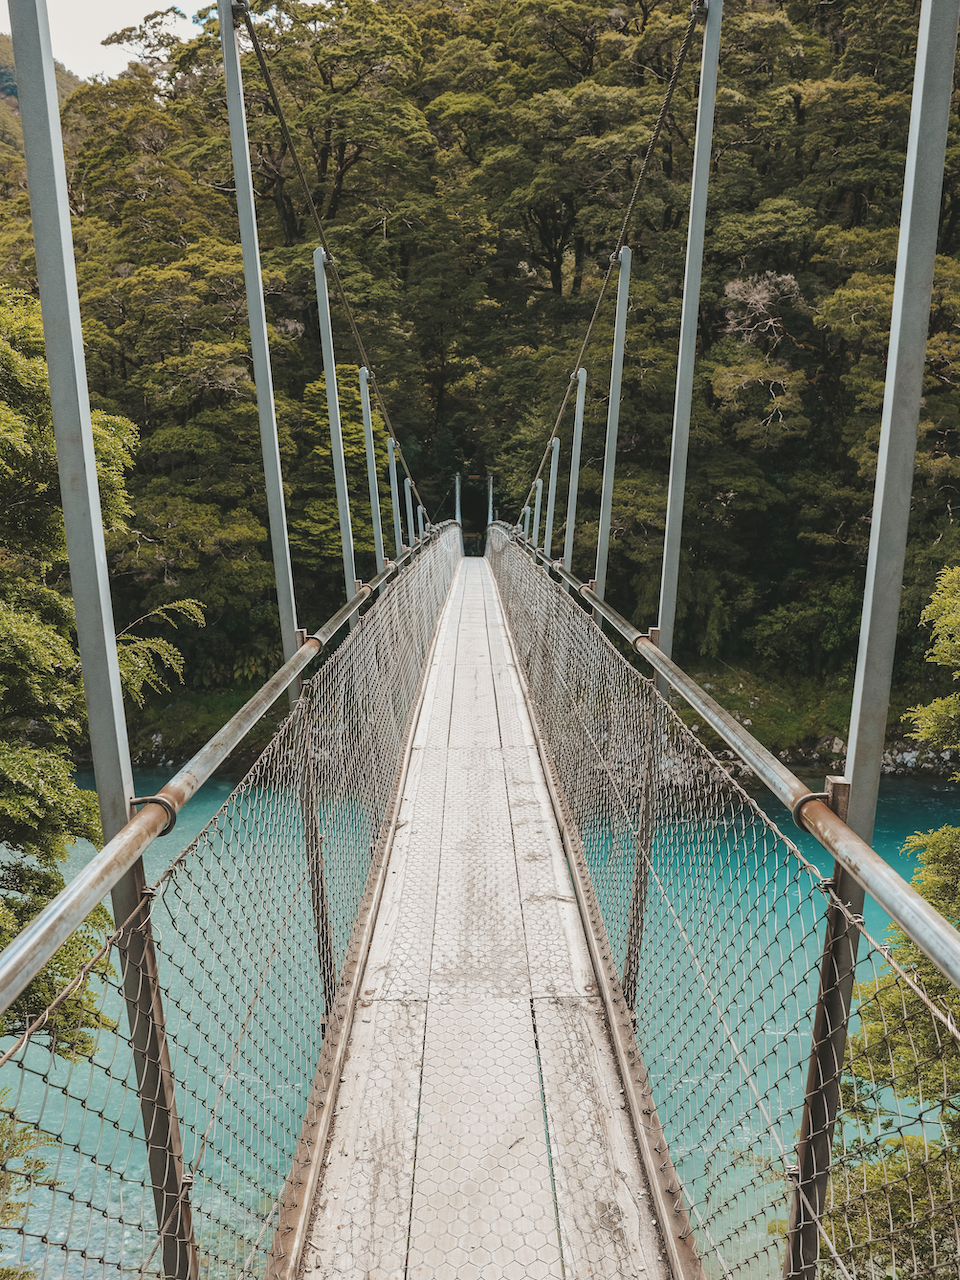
(165, 805)
(797, 811)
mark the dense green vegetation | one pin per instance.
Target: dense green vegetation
(42, 714)
(899, 1050)
(472, 164)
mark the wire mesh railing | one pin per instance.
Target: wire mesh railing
(251, 925)
(716, 925)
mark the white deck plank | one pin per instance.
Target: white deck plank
(503, 1151)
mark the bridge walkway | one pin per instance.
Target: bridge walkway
(480, 1129)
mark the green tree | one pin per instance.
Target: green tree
(899, 1050)
(22, 1168)
(42, 811)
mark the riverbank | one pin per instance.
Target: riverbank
(804, 724)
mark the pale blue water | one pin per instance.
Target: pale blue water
(906, 805)
(194, 816)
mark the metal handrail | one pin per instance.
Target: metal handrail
(26, 955)
(921, 922)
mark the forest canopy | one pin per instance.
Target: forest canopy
(472, 164)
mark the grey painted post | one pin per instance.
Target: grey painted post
(689, 320)
(395, 496)
(613, 421)
(262, 373)
(336, 431)
(96, 632)
(457, 500)
(536, 515)
(919, 224)
(420, 516)
(526, 524)
(489, 499)
(408, 496)
(581, 376)
(371, 468)
(551, 498)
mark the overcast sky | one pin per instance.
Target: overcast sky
(78, 26)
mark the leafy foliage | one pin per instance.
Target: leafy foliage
(899, 1052)
(22, 1167)
(42, 713)
(472, 166)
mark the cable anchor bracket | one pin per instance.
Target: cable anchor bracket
(164, 804)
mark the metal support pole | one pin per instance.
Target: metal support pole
(551, 498)
(395, 496)
(526, 523)
(919, 225)
(613, 421)
(420, 525)
(262, 373)
(371, 469)
(838, 967)
(313, 831)
(408, 497)
(457, 516)
(646, 828)
(536, 513)
(581, 376)
(96, 632)
(489, 499)
(336, 430)
(689, 320)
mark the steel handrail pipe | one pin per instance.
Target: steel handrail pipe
(26, 955)
(921, 922)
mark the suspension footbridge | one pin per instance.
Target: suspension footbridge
(488, 967)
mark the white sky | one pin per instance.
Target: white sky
(78, 26)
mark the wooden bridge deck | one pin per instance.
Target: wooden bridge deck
(480, 1130)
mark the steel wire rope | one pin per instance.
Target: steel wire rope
(696, 12)
(318, 223)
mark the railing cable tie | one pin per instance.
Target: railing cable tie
(164, 804)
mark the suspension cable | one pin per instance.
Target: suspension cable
(318, 223)
(696, 12)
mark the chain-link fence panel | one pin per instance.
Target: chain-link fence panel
(251, 925)
(716, 925)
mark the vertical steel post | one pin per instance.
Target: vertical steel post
(457, 516)
(613, 421)
(646, 829)
(919, 225)
(420, 515)
(551, 498)
(336, 430)
(395, 496)
(689, 319)
(372, 483)
(408, 496)
(489, 499)
(256, 310)
(536, 515)
(526, 524)
(581, 377)
(96, 632)
(320, 900)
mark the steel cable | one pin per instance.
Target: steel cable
(318, 224)
(695, 15)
